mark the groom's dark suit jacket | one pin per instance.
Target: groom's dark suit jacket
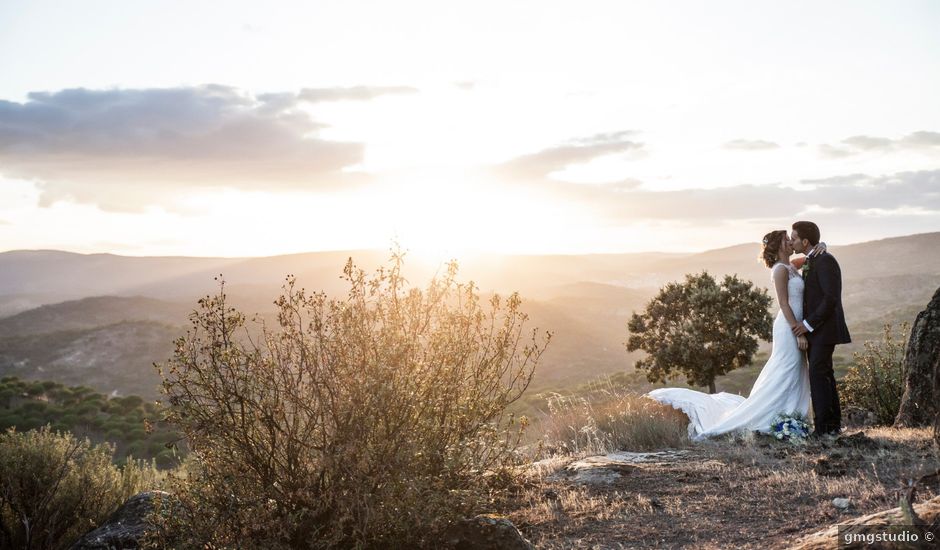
(822, 301)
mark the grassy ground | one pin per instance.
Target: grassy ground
(743, 492)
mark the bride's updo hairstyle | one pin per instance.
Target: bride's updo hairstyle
(771, 247)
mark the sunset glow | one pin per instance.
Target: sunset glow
(530, 128)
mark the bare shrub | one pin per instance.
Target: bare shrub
(54, 487)
(371, 421)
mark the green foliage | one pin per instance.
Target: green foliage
(123, 421)
(367, 422)
(700, 329)
(54, 487)
(876, 381)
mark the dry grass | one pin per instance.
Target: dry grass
(747, 491)
(605, 421)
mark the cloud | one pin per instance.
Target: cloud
(750, 145)
(627, 202)
(353, 93)
(868, 143)
(577, 151)
(122, 148)
(922, 141)
(852, 193)
(828, 151)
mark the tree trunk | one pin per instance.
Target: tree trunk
(829, 538)
(918, 405)
(936, 392)
(711, 386)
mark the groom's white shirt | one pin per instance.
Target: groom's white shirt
(808, 255)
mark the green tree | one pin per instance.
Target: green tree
(700, 329)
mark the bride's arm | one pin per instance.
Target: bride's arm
(781, 277)
(798, 262)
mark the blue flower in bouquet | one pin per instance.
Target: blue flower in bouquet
(789, 427)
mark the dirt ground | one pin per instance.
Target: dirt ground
(751, 492)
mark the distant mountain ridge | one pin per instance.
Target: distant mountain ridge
(88, 313)
(65, 275)
(107, 318)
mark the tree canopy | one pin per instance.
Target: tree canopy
(700, 328)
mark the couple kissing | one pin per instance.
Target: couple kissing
(809, 324)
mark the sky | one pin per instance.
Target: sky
(253, 129)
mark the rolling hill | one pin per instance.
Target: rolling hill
(102, 319)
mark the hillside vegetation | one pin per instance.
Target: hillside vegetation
(129, 423)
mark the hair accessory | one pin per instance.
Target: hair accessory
(765, 240)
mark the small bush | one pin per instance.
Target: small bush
(54, 487)
(876, 380)
(365, 422)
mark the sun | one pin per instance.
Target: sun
(455, 216)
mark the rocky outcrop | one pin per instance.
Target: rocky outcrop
(918, 405)
(485, 532)
(124, 529)
(928, 511)
(607, 469)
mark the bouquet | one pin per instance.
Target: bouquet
(789, 427)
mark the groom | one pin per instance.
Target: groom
(823, 324)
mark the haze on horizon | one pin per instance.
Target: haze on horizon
(185, 128)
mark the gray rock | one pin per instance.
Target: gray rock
(922, 359)
(606, 469)
(125, 527)
(486, 532)
(857, 417)
(841, 503)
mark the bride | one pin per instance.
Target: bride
(783, 383)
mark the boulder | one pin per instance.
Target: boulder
(485, 532)
(918, 405)
(125, 527)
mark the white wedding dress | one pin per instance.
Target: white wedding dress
(781, 387)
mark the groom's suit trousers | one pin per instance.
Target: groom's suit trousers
(827, 415)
